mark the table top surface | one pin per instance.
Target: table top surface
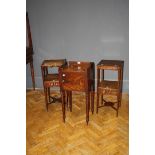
(113, 64)
(53, 63)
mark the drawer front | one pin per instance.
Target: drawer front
(73, 82)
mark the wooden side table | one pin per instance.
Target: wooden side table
(105, 87)
(84, 64)
(51, 79)
(77, 76)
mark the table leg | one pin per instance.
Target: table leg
(63, 105)
(118, 104)
(87, 107)
(49, 94)
(70, 101)
(97, 102)
(46, 101)
(92, 101)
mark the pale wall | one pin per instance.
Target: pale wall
(86, 30)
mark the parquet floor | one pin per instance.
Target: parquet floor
(46, 134)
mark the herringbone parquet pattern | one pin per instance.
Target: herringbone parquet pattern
(48, 135)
